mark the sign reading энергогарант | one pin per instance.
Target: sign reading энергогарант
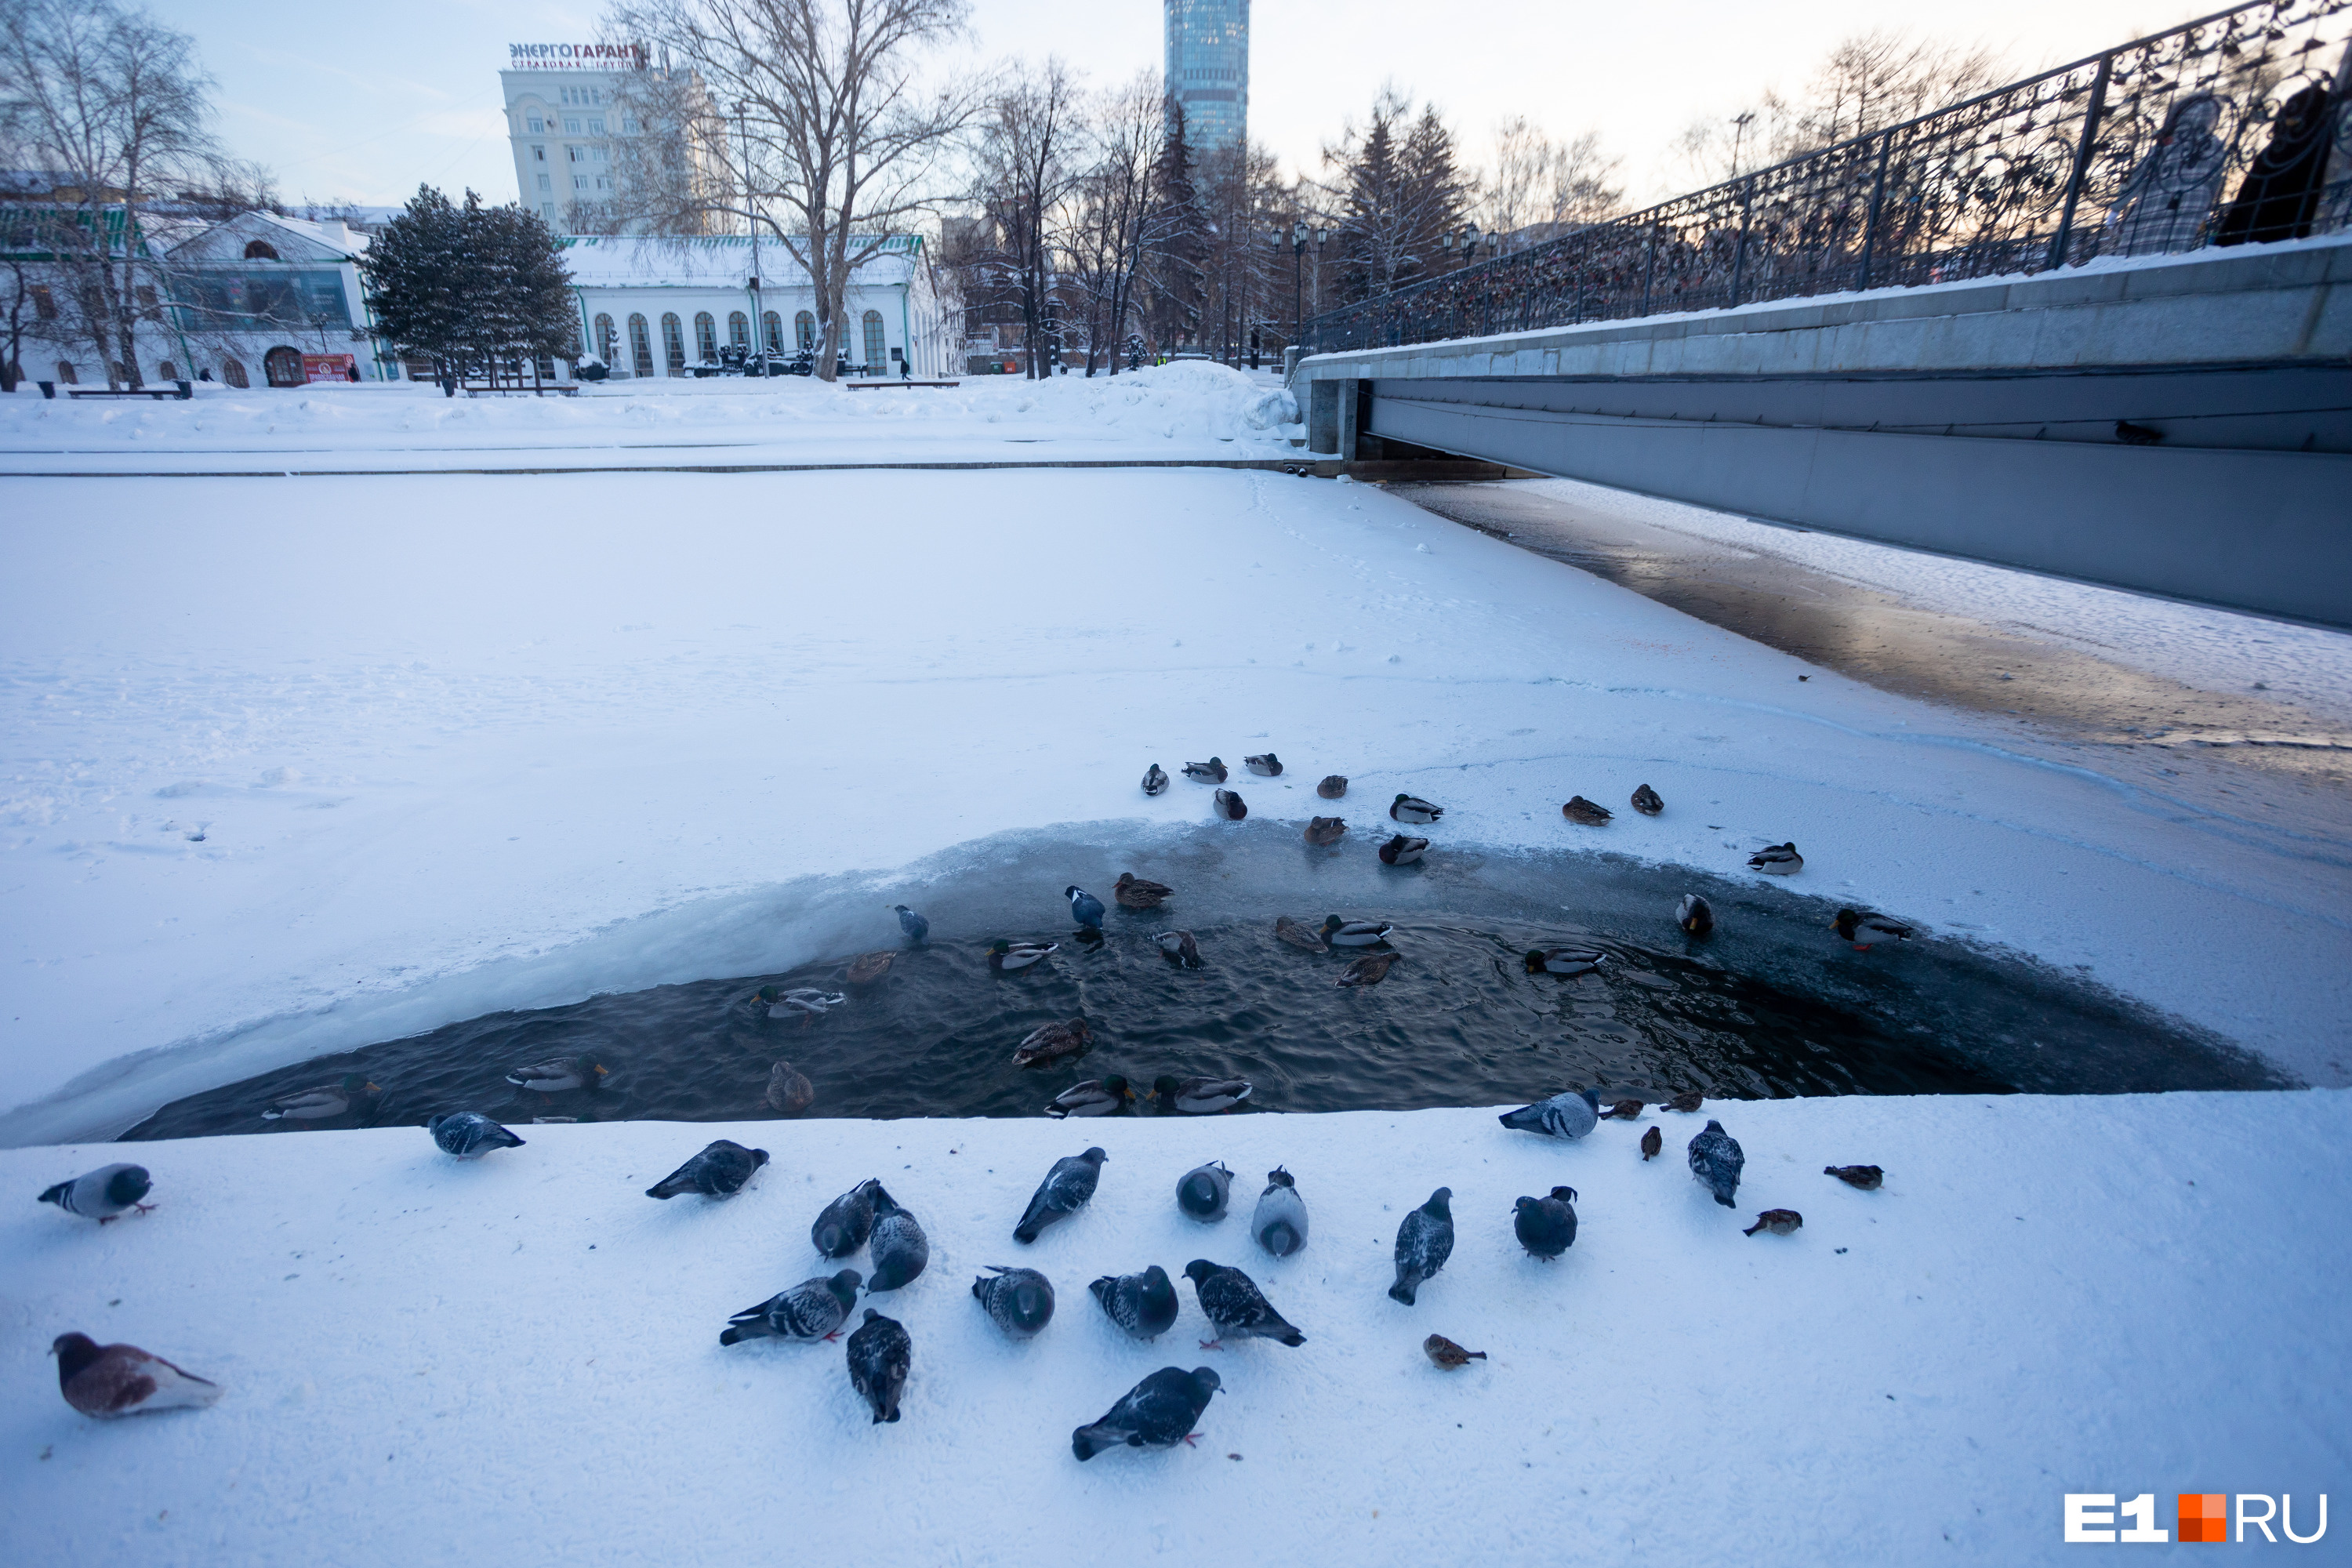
(2093, 1518)
(575, 56)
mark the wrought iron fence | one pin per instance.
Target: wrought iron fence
(2227, 129)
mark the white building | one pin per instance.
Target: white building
(263, 299)
(569, 107)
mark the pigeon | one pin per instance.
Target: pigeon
(1689, 1099)
(1231, 1300)
(1626, 1109)
(317, 1104)
(789, 1088)
(1202, 1191)
(879, 1355)
(1354, 934)
(1424, 1242)
(1867, 1177)
(1143, 1304)
(1011, 957)
(1095, 1097)
(1779, 860)
(1325, 831)
(900, 1249)
(1084, 907)
(1154, 781)
(1369, 970)
(1570, 1115)
(1714, 1162)
(1211, 771)
(1646, 801)
(719, 1171)
(1134, 893)
(1448, 1355)
(1586, 813)
(1157, 1413)
(811, 1309)
(1298, 934)
(1779, 1222)
(1567, 961)
(1864, 931)
(1651, 1142)
(1404, 851)
(104, 1195)
(1695, 915)
(1229, 806)
(1547, 1226)
(1179, 947)
(1279, 1223)
(868, 967)
(1198, 1096)
(1413, 809)
(107, 1381)
(1266, 765)
(469, 1135)
(556, 1075)
(1333, 787)
(1051, 1042)
(1067, 1189)
(1019, 1300)
(847, 1221)
(916, 927)
(802, 1002)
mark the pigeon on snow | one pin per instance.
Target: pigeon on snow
(1424, 1242)
(847, 1221)
(123, 1380)
(1019, 1300)
(1570, 1115)
(1202, 1191)
(879, 1355)
(1547, 1226)
(1143, 1304)
(469, 1135)
(1279, 1223)
(1067, 1189)
(719, 1171)
(1714, 1162)
(105, 1194)
(1231, 1302)
(811, 1309)
(1157, 1413)
(901, 1250)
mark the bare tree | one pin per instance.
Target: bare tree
(1541, 188)
(1120, 221)
(1027, 165)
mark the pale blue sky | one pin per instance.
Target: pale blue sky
(361, 102)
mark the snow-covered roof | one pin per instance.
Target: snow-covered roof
(643, 261)
(294, 239)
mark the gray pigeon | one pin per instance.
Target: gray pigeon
(1714, 1162)
(107, 1381)
(811, 1309)
(1019, 1300)
(1067, 1189)
(1203, 1192)
(1157, 1413)
(1570, 1115)
(1280, 1221)
(1424, 1241)
(1143, 1304)
(916, 927)
(103, 1194)
(719, 1171)
(847, 1221)
(469, 1135)
(900, 1249)
(1231, 1302)
(1547, 1226)
(879, 1355)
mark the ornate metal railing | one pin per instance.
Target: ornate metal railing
(2229, 128)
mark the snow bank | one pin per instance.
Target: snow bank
(425, 1361)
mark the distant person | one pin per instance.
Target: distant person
(2280, 194)
(352, 372)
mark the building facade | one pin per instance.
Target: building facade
(264, 301)
(1207, 69)
(570, 109)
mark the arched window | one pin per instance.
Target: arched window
(775, 326)
(604, 339)
(805, 332)
(66, 372)
(233, 373)
(673, 343)
(641, 347)
(260, 250)
(283, 366)
(706, 336)
(738, 329)
(876, 352)
(168, 371)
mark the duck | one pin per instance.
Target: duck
(1211, 771)
(1008, 957)
(1354, 934)
(789, 1089)
(1586, 813)
(1265, 765)
(800, 1001)
(1180, 946)
(1565, 960)
(1229, 806)
(1324, 831)
(868, 968)
(1864, 931)
(1084, 907)
(1369, 970)
(1695, 915)
(1298, 934)
(317, 1104)
(1403, 850)
(1154, 781)
(1646, 801)
(1133, 892)
(1411, 808)
(1779, 860)
(1198, 1096)
(1095, 1097)
(1333, 787)
(557, 1074)
(1051, 1042)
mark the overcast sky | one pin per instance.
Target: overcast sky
(361, 102)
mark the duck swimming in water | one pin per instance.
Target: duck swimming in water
(1565, 960)
(1133, 892)
(1180, 946)
(556, 1075)
(1198, 1096)
(1009, 957)
(1095, 1097)
(317, 1104)
(1051, 1042)
(1369, 970)
(1354, 934)
(1298, 934)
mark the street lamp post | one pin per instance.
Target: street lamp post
(1299, 233)
(759, 340)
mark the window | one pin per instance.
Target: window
(535, 125)
(805, 332)
(544, 184)
(571, 125)
(603, 181)
(577, 154)
(546, 209)
(539, 154)
(579, 182)
(599, 153)
(604, 339)
(641, 352)
(673, 343)
(875, 352)
(44, 305)
(596, 125)
(628, 125)
(167, 371)
(260, 250)
(775, 324)
(66, 372)
(738, 330)
(706, 336)
(233, 373)
(283, 366)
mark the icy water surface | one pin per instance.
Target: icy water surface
(1771, 1005)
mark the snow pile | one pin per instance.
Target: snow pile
(420, 1357)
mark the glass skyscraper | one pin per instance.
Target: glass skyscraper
(1208, 69)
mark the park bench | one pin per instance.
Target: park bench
(178, 389)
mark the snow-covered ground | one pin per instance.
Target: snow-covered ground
(519, 1358)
